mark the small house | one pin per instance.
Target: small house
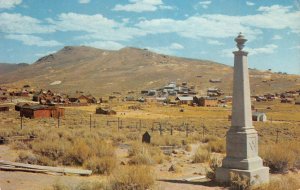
(41, 111)
(4, 108)
(105, 111)
(259, 116)
(185, 100)
(208, 101)
(215, 80)
(20, 105)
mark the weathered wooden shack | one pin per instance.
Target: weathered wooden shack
(41, 111)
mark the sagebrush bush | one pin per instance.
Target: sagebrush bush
(281, 157)
(136, 177)
(201, 155)
(289, 181)
(145, 154)
(239, 182)
(101, 165)
(214, 163)
(217, 145)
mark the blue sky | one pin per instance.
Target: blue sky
(201, 29)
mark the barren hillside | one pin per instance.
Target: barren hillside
(102, 72)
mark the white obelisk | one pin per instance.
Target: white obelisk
(242, 139)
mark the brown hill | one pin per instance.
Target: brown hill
(102, 72)
(7, 67)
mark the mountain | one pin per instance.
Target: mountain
(6, 68)
(102, 72)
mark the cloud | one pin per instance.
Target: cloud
(19, 24)
(176, 46)
(267, 49)
(84, 1)
(203, 4)
(44, 54)
(95, 26)
(31, 40)
(108, 45)
(223, 26)
(295, 47)
(142, 6)
(249, 3)
(277, 37)
(215, 42)
(8, 4)
(169, 50)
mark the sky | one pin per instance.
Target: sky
(200, 29)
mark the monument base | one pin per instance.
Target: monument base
(256, 176)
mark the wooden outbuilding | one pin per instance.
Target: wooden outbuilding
(19, 106)
(259, 116)
(208, 101)
(105, 111)
(4, 108)
(41, 111)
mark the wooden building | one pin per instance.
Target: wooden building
(185, 100)
(20, 105)
(4, 108)
(41, 111)
(208, 101)
(259, 116)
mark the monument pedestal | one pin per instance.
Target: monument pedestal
(256, 176)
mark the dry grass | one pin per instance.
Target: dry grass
(281, 157)
(132, 177)
(201, 155)
(143, 154)
(283, 182)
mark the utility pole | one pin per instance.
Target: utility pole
(160, 129)
(21, 121)
(90, 122)
(58, 122)
(187, 130)
(203, 130)
(277, 135)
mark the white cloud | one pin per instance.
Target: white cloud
(249, 3)
(277, 37)
(19, 24)
(44, 54)
(169, 50)
(109, 45)
(33, 40)
(84, 1)
(142, 6)
(214, 42)
(222, 26)
(176, 46)
(203, 4)
(295, 47)
(8, 4)
(96, 26)
(267, 49)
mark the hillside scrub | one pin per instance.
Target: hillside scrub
(139, 177)
(201, 155)
(281, 157)
(70, 148)
(144, 154)
(289, 181)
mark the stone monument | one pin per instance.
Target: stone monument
(242, 139)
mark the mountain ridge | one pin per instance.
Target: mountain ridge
(101, 72)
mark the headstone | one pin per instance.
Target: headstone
(146, 137)
(242, 139)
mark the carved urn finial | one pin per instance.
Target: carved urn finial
(240, 41)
